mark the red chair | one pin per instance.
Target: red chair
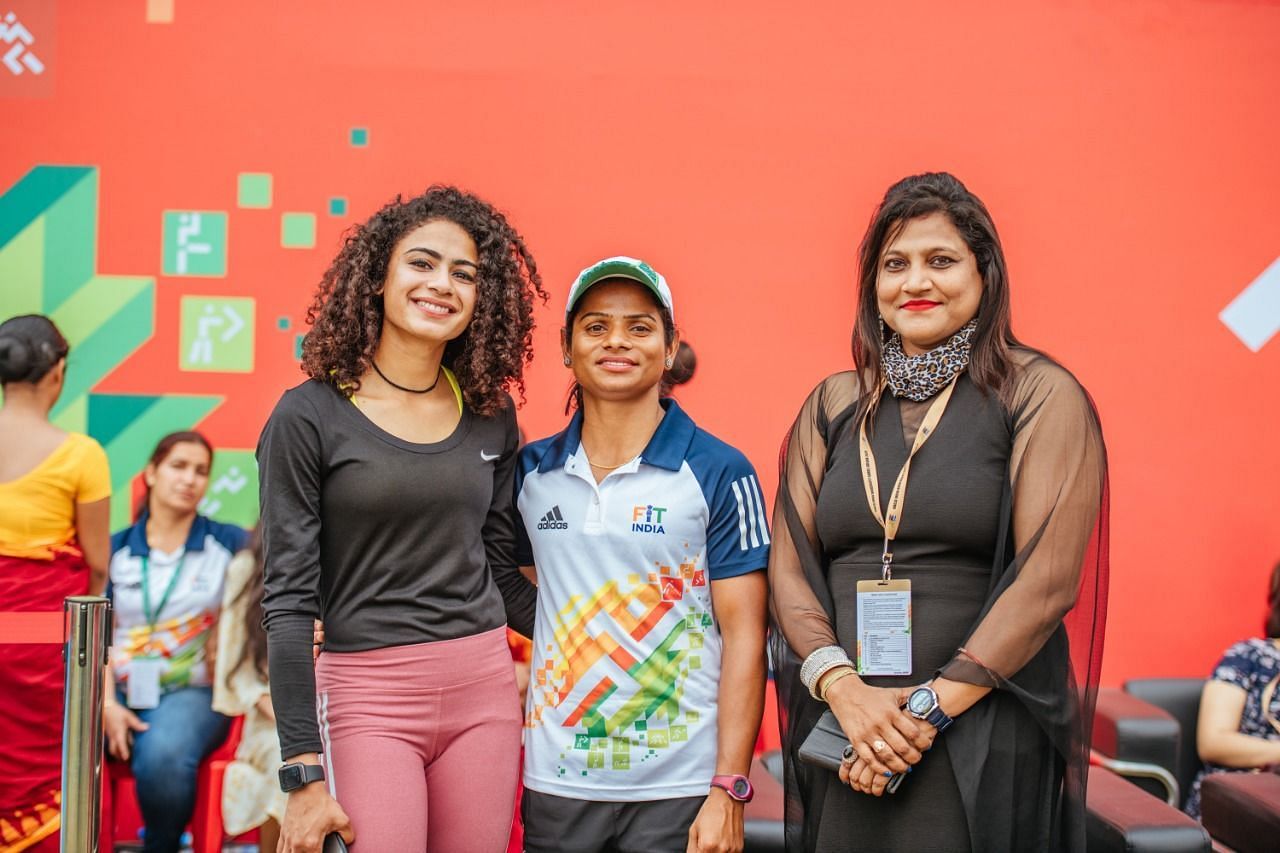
(122, 820)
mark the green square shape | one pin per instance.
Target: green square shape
(679, 733)
(194, 243)
(581, 742)
(621, 744)
(337, 206)
(359, 137)
(595, 760)
(233, 488)
(658, 739)
(641, 725)
(695, 662)
(692, 716)
(253, 190)
(695, 641)
(621, 762)
(298, 230)
(216, 334)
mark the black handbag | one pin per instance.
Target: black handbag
(825, 745)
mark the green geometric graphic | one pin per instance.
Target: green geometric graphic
(253, 189)
(298, 230)
(195, 243)
(48, 265)
(233, 488)
(217, 334)
(359, 137)
(128, 427)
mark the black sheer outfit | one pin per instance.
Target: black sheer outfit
(1004, 538)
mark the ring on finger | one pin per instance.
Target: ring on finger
(878, 745)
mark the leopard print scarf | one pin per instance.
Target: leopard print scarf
(919, 377)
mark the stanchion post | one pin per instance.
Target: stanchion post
(88, 627)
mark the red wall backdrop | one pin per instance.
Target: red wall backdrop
(1127, 150)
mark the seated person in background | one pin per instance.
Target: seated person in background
(1239, 727)
(251, 795)
(167, 575)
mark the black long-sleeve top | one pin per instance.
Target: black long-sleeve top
(387, 541)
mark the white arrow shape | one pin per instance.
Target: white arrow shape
(11, 58)
(1254, 315)
(236, 324)
(232, 481)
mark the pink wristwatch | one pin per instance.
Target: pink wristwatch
(737, 787)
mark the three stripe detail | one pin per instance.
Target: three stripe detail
(753, 528)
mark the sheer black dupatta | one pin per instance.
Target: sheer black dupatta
(1040, 634)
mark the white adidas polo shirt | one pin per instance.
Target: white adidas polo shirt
(626, 648)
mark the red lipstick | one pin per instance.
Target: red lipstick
(920, 305)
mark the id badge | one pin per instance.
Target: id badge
(143, 689)
(884, 627)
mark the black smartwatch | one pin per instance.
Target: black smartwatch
(923, 705)
(298, 775)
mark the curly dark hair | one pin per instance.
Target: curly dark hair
(347, 312)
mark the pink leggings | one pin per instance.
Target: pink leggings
(422, 743)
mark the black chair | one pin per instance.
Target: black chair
(1120, 818)
(1138, 741)
(1242, 810)
(1180, 699)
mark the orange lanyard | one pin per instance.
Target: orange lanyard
(893, 519)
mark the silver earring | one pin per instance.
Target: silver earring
(670, 362)
(567, 361)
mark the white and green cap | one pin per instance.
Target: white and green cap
(621, 266)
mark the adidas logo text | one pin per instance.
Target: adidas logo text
(553, 520)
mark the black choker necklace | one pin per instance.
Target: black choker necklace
(426, 390)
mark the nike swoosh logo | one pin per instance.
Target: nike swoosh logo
(488, 457)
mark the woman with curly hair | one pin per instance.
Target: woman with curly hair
(386, 512)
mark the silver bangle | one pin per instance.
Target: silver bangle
(819, 663)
